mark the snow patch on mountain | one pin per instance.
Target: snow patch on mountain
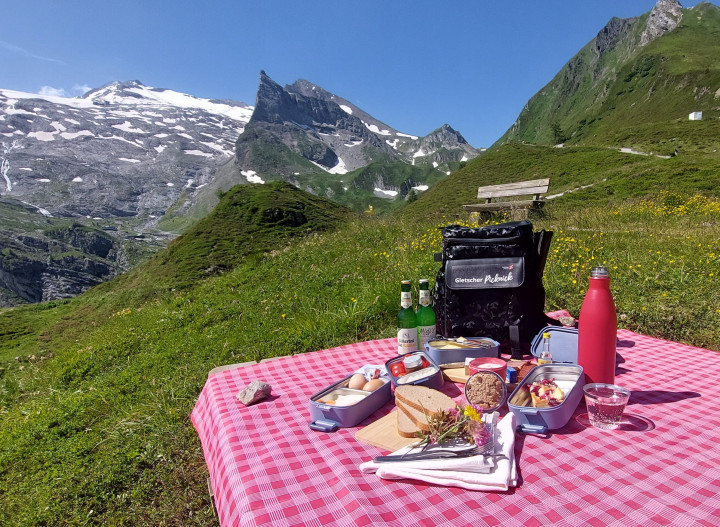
(198, 153)
(252, 176)
(413, 137)
(382, 193)
(168, 98)
(74, 135)
(43, 136)
(127, 127)
(340, 168)
(374, 129)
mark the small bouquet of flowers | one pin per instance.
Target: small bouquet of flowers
(463, 423)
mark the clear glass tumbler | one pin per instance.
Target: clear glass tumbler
(605, 404)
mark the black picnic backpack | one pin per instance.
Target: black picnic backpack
(490, 284)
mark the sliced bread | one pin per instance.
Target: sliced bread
(410, 419)
(423, 399)
(415, 404)
(406, 427)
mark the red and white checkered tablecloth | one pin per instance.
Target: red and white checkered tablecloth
(267, 467)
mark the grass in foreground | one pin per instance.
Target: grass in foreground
(95, 392)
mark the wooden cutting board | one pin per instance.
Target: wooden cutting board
(456, 375)
(383, 434)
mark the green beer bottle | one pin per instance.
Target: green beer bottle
(407, 324)
(425, 315)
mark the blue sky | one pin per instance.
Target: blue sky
(413, 64)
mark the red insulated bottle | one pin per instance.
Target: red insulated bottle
(597, 329)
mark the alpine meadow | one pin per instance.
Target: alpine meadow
(96, 390)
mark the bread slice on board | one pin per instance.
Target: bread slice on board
(406, 427)
(414, 404)
(423, 399)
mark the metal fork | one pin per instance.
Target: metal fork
(431, 454)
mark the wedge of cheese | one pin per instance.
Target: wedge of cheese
(546, 393)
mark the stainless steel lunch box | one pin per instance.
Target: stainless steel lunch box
(486, 347)
(329, 417)
(433, 379)
(540, 420)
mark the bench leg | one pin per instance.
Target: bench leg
(519, 214)
(480, 218)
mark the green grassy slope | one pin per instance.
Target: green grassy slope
(360, 184)
(674, 75)
(631, 94)
(249, 221)
(613, 176)
(95, 392)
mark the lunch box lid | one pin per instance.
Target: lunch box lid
(563, 344)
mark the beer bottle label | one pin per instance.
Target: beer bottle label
(424, 298)
(425, 334)
(407, 340)
(406, 299)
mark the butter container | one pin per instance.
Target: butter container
(338, 406)
(570, 378)
(448, 351)
(416, 367)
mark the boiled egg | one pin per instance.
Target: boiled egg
(357, 382)
(373, 385)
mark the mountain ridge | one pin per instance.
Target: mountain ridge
(139, 165)
(590, 100)
(303, 113)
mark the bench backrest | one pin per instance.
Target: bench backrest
(520, 188)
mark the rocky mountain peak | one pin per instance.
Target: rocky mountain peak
(269, 100)
(447, 135)
(664, 17)
(333, 134)
(129, 161)
(308, 89)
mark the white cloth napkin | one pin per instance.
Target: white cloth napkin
(472, 473)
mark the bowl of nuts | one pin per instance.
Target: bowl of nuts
(486, 390)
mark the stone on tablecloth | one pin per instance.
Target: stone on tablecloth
(256, 391)
(567, 321)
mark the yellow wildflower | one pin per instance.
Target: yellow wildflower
(472, 413)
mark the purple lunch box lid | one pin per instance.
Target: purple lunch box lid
(563, 344)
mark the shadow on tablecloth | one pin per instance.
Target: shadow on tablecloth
(659, 396)
(629, 423)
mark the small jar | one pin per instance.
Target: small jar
(412, 363)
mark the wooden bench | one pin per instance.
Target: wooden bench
(534, 188)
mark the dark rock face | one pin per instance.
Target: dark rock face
(89, 241)
(611, 34)
(279, 216)
(59, 263)
(332, 133)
